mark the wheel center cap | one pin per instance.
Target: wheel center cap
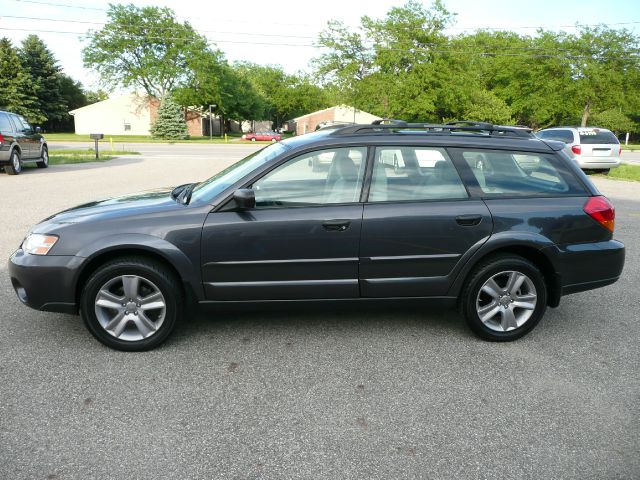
(505, 301)
(132, 307)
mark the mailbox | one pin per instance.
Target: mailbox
(96, 136)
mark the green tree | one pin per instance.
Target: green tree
(282, 96)
(604, 68)
(145, 48)
(95, 96)
(16, 93)
(614, 120)
(170, 123)
(46, 79)
(387, 66)
(73, 97)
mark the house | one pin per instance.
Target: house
(338, 114)
(129, 115)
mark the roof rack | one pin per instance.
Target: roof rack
(386, 126)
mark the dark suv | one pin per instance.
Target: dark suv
(20, 143)
(488, 218)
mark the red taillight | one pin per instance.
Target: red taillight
(602, 211)
(620, 151)
(577, 149)
(1, 139)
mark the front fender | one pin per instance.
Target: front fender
(134, 242)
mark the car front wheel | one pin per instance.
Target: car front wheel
(505, 298)
(15, 164)
(131, 303)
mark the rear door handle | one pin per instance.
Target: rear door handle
(468, 220)
(336, 225)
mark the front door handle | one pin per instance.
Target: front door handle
(336, 225)
(468, 220)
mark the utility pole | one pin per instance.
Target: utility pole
(211, 107)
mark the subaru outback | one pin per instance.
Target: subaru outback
(489, 219)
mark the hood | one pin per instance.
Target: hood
(126, 205)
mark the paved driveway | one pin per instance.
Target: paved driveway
(323, 393)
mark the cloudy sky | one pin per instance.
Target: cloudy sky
(284, 32)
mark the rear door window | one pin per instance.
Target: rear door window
(596, 136)
(504, 173)
(414, 174)
(565, 136)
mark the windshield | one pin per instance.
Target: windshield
(230, 175)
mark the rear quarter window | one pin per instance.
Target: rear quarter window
(503, 173)
(5, 124)
(565, 136)
(595, 136)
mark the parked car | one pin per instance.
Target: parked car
(492, 220)
(20, 143)
(262, 136)
(591, 148)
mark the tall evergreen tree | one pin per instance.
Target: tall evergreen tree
(16, 94)
(170, 123)
(46, 77)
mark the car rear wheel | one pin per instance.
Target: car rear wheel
(131, 303)
(505, 298)
(15, 164)
(253, 139)
(44, 159)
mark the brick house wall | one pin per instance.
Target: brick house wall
(308, 123)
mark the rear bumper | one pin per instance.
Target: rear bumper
(5, 154)
(45, 282)
(586, 266)
(598, 162)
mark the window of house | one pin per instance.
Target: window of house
(127, 127)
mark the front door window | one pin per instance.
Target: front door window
(318, 178)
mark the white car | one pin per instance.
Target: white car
(592, 148)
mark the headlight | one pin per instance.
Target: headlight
(36, 244)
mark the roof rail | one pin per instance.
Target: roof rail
(464, 126)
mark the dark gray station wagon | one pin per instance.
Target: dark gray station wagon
(487, 218)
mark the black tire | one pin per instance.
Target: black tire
(605, 171)
(253, 139)
(481, 274)
(44, 159)
(15, 166)
(149, 270)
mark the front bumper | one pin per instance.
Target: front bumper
(45, 282)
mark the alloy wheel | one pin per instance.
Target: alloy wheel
(506, 301)
(130, 307)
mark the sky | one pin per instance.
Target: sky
(283, 32)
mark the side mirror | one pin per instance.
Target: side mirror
(38, 129)
(245, 198)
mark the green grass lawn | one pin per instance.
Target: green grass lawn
(78, 155)
(630, 147)
(624, 172)
(233, 138)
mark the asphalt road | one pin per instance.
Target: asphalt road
(331, 394)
